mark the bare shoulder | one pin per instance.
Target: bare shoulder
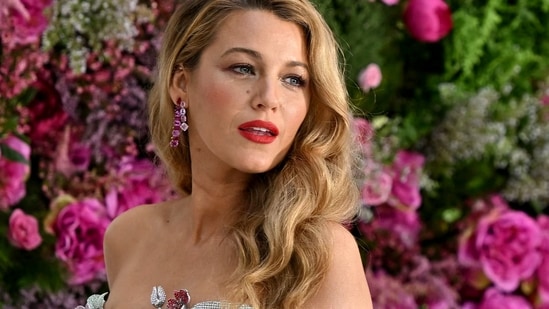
(123, 235)
(345, 285)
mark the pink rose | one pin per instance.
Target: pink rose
(377, 187)
(506, 245)
(370, 77)
(13, 175)
(23, 231)
(428, 20)
(79, 228)
(495, 299)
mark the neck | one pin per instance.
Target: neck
(213, 206)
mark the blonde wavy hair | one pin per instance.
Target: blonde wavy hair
(283, 238)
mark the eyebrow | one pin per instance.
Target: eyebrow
(257, 55)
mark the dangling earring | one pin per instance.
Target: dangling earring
(179, 122)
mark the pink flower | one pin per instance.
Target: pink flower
(402, 225)
(23, 231)
(407, 169)
(377, 186)
(370, 77)
(80, 228)
(47, 116)
(143, 183)
(505, 245)
(543, 269)
(388, 292)
(72, 156)
(364, 133)
(13, 175)
(390, 2)
(495, 299)
(29, 21)
(428, 20)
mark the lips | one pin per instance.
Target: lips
(259, 131)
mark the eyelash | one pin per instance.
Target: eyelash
(299, 81)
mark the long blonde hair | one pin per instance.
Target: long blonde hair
(282, 237)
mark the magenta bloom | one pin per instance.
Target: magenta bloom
(428, 20)
(142, 183)
(388, 292)
(495, 299)
(29, 21)
(370, 77)
(543, 269)
(506, 246)
(79, 228)
(377, 186)
(23, 231)
(407, 169)
(13, 175)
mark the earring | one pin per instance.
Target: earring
(179, 122)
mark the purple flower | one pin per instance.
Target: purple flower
(13, 175)
(428, 20)
(493, 298)
(388, 292)
(79, 228)
(505, 245)
(370, 77)
(23, 231)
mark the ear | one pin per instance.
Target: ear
(179, 84)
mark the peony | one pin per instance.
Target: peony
(80, 228)
(505, 245)
(428, 20)
(370, 77)
(13, 175)
(495, 299)
(23, 231)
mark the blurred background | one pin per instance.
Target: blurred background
(452, 116)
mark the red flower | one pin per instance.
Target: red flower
(428, 20)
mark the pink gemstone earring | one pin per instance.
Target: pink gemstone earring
(179, 122)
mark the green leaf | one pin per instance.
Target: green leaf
(12, 155)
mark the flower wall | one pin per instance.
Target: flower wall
(452, 120)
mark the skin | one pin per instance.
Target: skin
(248, 72)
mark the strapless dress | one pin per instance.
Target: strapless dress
(181, 300)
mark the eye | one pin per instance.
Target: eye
(243, 69)
(295, 81)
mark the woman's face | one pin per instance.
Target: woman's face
(249, 93)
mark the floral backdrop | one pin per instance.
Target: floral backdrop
(452, 120)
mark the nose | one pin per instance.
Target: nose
(268, 96)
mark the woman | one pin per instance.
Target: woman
(264, 170)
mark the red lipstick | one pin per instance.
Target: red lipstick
(259, 131)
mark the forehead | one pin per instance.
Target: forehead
(262, 31)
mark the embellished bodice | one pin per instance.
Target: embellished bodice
(181, 300)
